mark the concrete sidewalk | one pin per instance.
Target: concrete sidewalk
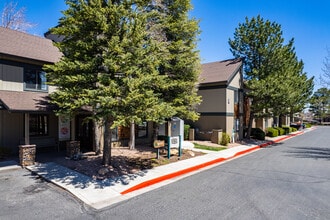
(99, 194)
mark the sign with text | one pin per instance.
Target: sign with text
(63, 128)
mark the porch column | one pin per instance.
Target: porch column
(27, 128)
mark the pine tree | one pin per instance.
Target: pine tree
(109, 65)
(112, 66)
(290, 85)
(273, 73)
(181, 66)
(320, 103)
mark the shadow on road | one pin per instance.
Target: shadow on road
(310, 152)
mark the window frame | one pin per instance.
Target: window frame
(40, 129)
(40, 84)
(142, 127)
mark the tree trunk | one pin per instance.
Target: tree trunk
(107, 142)
(132, 137)
(155, 132)
(291, 116)
(280, 120)
(97, 137)
(248, 135)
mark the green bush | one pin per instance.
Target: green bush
(225, 139)
(272, 132)
(287, 129)
(281, 131)
(294, 129)
(257, 133)
(308, 125)
(186, 131)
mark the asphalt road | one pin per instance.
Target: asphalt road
(290, 180)
(25, 196)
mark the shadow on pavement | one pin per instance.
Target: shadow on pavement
(310, 152)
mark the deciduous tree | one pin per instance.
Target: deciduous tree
(14, 18)
(325, 77)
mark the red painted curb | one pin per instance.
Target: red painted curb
(184, 171)
(200, 166)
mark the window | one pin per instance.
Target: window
(142, 130)
(235, 96)
(38, 124)
(34, 79)
(121, 133)
(114, 134)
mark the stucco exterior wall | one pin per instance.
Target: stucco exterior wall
(262, 123)
(230, 101)
(11, 78)
(11, 129)
(208, 123)
(213, 100)
(229, 124)
(236, 81)
(218, 106)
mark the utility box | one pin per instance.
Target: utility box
(173, 128)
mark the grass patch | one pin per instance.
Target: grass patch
(204, 147)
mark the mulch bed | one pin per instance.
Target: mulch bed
(123, 162)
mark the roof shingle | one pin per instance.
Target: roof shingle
(220, 71)
(25, 101)
(19, 44)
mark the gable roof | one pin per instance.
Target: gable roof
(25, 101)
(220, 71)
(23, 45)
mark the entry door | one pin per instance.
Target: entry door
(84, 133)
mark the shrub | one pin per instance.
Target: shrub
(308, 125)
(225, 139)
(287, 129)
(281, 131)
(257, 133)
(272, 132)
(294, 129)
(186, 131)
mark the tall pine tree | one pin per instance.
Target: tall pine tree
(182, 64)
(113, 66)
(109, 64)
(272, 71)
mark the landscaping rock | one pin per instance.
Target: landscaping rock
(191, 153)
(174, 151)
(103, 171)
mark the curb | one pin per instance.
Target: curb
(187, 170)
(203, 165)
(9, 165)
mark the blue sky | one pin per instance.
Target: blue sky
(308, 22)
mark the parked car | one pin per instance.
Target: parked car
(297, 125)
